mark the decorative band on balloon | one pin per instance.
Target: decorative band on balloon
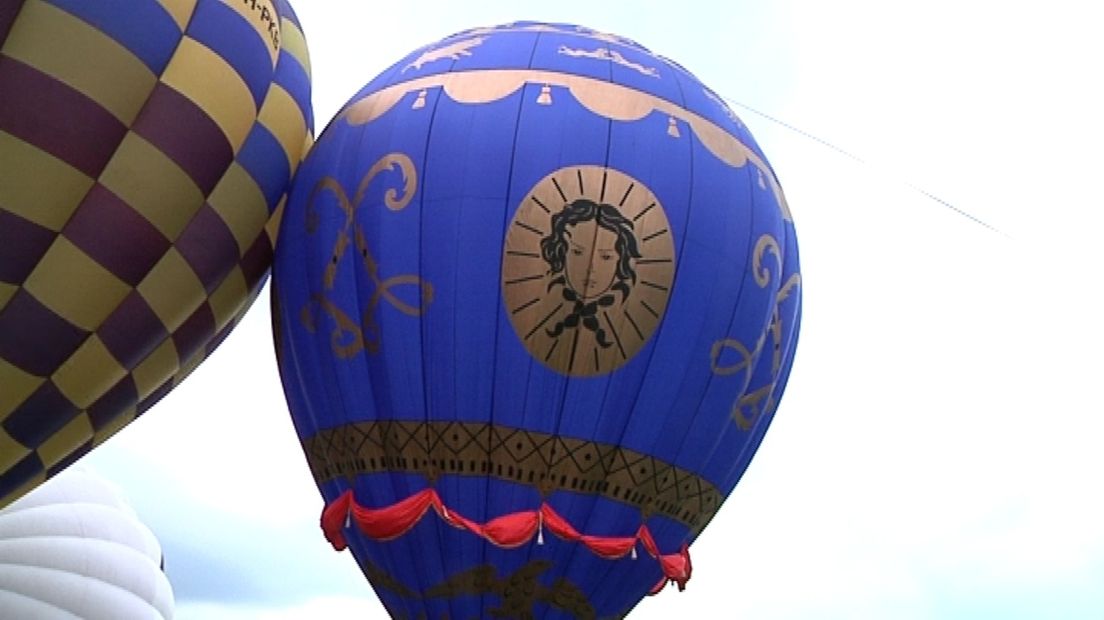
(609, 100)
(541, 460)
(507, 531)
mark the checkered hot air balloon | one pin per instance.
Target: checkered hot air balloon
(144, 147)
(536, 298)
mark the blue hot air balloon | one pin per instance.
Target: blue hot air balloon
(536, 299)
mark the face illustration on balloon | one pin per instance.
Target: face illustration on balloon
(594, 246)
(590, 253)
(587, 269)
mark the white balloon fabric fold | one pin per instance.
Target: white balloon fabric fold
(74, 548)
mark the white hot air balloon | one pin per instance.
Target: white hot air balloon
(74, 548)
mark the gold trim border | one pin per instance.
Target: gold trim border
(612, 101)
(541, 460)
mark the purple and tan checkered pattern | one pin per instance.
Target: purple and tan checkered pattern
(138, 170)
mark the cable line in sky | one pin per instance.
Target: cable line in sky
(914, 187)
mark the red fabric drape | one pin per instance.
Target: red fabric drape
(510, 530)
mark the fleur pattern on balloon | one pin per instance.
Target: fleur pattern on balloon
(756, 402)
(351, 336)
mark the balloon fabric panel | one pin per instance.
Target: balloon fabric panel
(134, 201)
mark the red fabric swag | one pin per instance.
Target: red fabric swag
(508, 531)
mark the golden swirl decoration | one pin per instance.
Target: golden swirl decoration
(762, 274)
(747, 410)
(391, 198)
(611, 101)
(750, 406)
(380, 578)
(347, 339)
(519, 592)
(789, 287)
(746, 356)
(350, 337)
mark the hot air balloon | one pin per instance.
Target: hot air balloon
(536, 300)
(74, 548)
(145, 148)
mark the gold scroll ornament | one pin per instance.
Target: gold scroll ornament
(518, 592)
(349, 336)
(750, 406)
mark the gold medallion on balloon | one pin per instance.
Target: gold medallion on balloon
(587, 269)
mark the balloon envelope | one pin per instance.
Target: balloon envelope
(536, 301)
(74, 548)
(145, 147)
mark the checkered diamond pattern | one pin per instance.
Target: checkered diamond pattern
(134, 197)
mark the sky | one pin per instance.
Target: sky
(935, 455)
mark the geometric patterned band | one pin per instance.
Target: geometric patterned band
(541, 460)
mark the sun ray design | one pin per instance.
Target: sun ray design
(593, 268)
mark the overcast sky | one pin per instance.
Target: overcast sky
(937, 451)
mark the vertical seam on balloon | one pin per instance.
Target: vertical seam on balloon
(362, 359)
(744, 458)
(659, 325)
(336, 400)
(732, 321)
(296, 357)
(455, 349)
(456, 363)
(500, 307)
(569, 565)
(437, 558)
(711, 452)
(361, 288)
